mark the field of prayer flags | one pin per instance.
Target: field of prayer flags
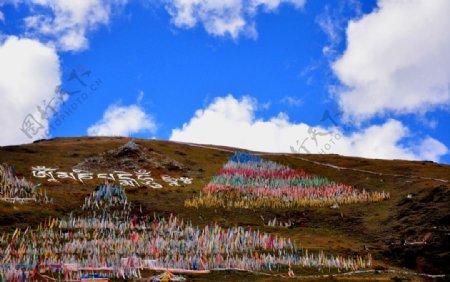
(106, 197)
(15, 189)
(166, 276)
(247, 181)
(107, 240)
(275, 223)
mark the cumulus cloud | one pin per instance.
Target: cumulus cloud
(431, 149)
(396, 60)
(232, 122)
(223, 17)
(29, 75)
(123, 121)
(68, 22)
(385, 142)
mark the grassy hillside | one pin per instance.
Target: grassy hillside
(418, 210)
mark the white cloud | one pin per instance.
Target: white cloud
(330, 26)
(431, 149)
(29, 74)
(397, 60)
(292, 101)
(123, 121)
(231, 122)
(334, 21)
(140, 97)
(2, 17)
(68, 22)
(223, 17)
(384, 142)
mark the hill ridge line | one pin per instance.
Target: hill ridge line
(318, 163)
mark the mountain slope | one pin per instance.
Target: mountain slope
(411, 229)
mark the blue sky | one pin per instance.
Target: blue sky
(251, 74)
